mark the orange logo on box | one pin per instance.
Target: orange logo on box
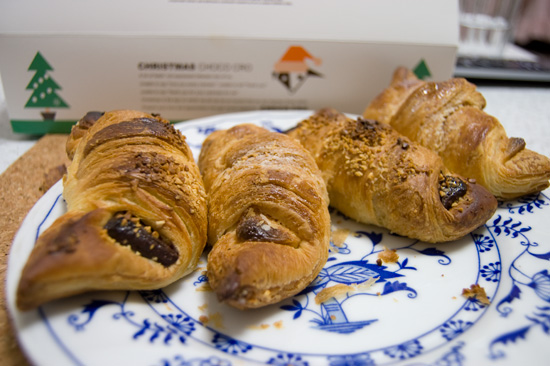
(293, 69)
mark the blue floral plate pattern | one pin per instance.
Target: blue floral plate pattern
(413, 313)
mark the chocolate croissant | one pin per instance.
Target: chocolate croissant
(377, 176)
(448, 118)
(268, 220)
(136, 212)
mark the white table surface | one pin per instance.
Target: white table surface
(524, 111)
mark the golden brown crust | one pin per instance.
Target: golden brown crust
(377, 176)
(268, 216)
(136, 212)
(448, 118)
(387, 103)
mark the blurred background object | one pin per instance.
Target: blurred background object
(533, 26)
(504, 40)
(486, 26)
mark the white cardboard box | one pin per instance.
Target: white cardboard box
(193, 58)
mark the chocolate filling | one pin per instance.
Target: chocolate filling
(229, 287)
(89, 119)
(129, 230)
(451, 189)
(254, 228)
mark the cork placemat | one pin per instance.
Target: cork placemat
(21, 185)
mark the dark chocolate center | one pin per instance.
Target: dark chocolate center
(451, 189)
(129, 230)
(254, 228)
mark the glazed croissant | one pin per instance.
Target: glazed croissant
(136, 212)
(448, 118)
(377, 176)
(268, 221)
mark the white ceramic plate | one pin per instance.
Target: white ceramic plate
(413, 314)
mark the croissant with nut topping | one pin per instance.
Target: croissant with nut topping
(268, 223)
(448, 118)
(377, 176)
(136, 212)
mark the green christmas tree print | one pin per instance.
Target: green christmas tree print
(421, 70)
(44, 88)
